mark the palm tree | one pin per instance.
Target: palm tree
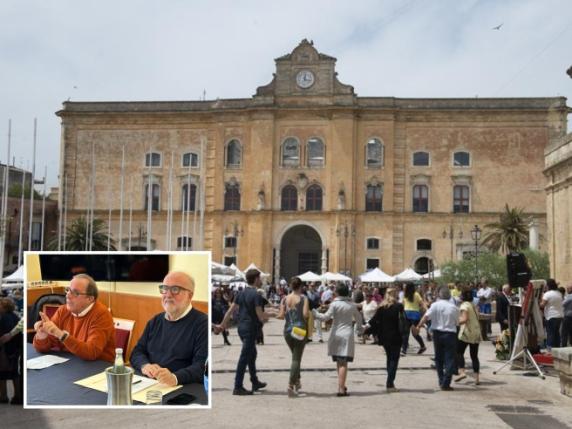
(510, 233)
(76, 236)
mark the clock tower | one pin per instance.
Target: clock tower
(306, 72)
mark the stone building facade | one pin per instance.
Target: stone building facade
(559, 208)
(307, 175)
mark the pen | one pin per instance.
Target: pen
(135, 382)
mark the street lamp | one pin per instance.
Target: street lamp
(476, 235)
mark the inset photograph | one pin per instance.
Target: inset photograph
(117, 329)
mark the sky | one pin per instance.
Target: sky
(141, 50)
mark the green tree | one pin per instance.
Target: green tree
(76, 236)
(509, 234)
(492, 266)
(15, 191)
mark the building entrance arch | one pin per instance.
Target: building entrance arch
(301, 250)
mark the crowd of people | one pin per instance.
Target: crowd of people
(456, 317)
(11, 337)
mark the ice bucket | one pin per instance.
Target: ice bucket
(119, 387)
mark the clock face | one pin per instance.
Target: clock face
(305, 79)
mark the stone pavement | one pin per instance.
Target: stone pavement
(508, 399)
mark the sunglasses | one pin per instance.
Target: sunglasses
(75, 292)
(175, 290)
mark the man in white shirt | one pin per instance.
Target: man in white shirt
(553, 313)
(444, 317)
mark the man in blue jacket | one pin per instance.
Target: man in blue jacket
(174, 346)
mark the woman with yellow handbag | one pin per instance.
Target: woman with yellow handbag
(295, 309)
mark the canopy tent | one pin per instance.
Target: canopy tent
(237, 271)
(376, 276)
(335, 277)
(222, 269)
(407, 275)
(432, 275)
(254, 267)
(309, 276)
(16, 276)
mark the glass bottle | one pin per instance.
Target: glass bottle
(119, 364)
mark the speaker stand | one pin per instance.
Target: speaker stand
(526, 358)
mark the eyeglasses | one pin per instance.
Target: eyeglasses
(75, 292)
(175, 290)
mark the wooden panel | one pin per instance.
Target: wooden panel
(36, 292)
(138, 308)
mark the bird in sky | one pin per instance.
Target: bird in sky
(498, 27)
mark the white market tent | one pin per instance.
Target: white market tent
(309, 276)
(335, 277)
(376, 276)
(237, 271)
(253, 266)
(407, 275)
(16, 276)
(432, 275)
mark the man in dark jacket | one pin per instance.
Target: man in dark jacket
(503, 304)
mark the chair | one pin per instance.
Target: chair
(50, 309)
(123, 330)
(34, 312)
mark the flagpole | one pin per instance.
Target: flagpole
(65, 225)
(21, 218)
(202, 194)
(121, 198)
(43, 209)
(92, 219)
(5, 199)
(169, 204)
(149, 201)
(188, 205)
(130, 211)
(109, 217)
(32, 183)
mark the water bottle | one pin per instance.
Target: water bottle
(119, 364)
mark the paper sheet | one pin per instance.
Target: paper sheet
(138, 391)
(44, 361)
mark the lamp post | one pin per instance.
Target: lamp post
(476, 235)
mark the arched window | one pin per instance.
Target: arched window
(155, 196)
(314, 198)
(188, 197)
(421, 159)
(424, 244)
(190, 159)
(290, 153)
(374, 153)
(460, 199)
(152, 159)
(422, 265)
(374, 198)
(232, 197)
(372, 243)
(316, 152)
(461, 159)
(420, 199)
(233, 154)
(289, 200)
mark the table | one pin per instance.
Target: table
(55, 385)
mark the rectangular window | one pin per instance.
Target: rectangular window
(420, 199)
(152, 159)
(36, 235)
(373, 243)
(374, 199)
(191, 159)
(183, 241)
(371, 263)
(229, 260)
(230, 242)
(461, 199)
(155, 197)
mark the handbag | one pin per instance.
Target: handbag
(297, 330)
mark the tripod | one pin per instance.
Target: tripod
(524, 353)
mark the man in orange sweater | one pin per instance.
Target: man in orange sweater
(83, 326)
